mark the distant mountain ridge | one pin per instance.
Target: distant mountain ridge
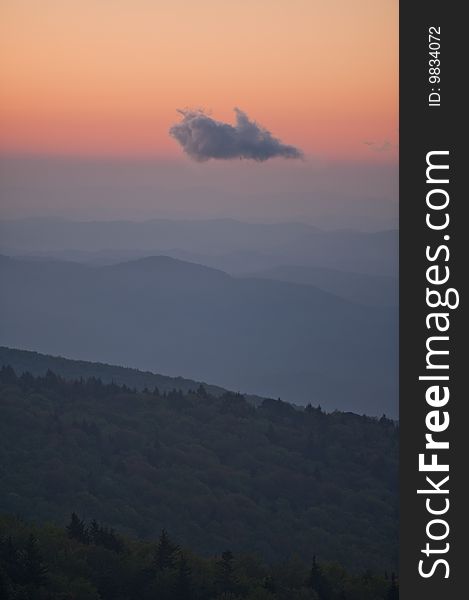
(231, 245)
(166, 267)
(264, 337)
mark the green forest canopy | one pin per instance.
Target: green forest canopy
(87, 561)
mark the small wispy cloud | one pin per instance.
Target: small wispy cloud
(203, 138)
(384, 146)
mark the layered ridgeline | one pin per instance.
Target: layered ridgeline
(226, 244)
(265, 337)
(216, 471)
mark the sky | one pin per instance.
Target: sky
(91, 81)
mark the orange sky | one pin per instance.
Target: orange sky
(101, 77)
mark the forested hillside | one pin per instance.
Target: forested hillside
(216, 472)
(38, 364)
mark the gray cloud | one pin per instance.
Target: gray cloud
(202, 138)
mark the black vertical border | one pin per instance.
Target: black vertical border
(423, 129)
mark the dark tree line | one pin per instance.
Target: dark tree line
(74, 564)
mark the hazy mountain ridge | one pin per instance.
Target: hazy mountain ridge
(375, 290)
(258, 336)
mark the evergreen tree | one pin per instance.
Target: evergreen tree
(225, 573)
(102, 536)
(393, 592)
(34, 571)
(269, 584)
(110, 540)
(27, 380)
(318, 582)
(183, 588)
(9, 557)
(8, 375)
(94, 532)
(76, 529)
(202, 392)
(166, 552)
(5, 593)
(51, 379)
